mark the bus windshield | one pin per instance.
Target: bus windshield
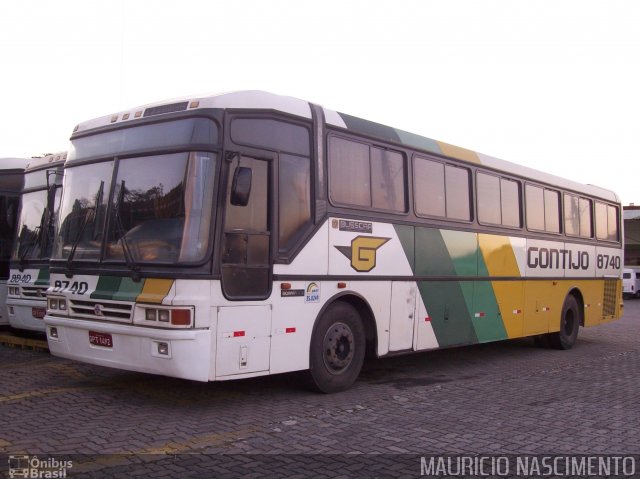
(34, 236)
(158, 212)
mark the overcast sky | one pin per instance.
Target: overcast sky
(550, 84)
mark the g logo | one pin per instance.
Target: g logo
(362, 252)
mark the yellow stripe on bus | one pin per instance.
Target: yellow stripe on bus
(458, 153)
(155, 290)
(500, 260)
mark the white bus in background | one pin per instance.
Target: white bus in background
(29, 275)
(11, 182)
(631, 282)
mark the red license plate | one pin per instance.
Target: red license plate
(38, 313)
(100, 339)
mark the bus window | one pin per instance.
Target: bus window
(349, 172)
(543, 209)
(498, 200)
(441, 190)
(294, 190)
(366, 176)
(606, 222)
(429, 187)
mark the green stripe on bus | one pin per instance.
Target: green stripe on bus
(447, 302)
(487, 319)
(417, 141)
(370, 128)
(106, 287)
(43, 277)
(407, 240)
(129, 290)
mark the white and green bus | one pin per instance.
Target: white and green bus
(247, 234)
(11, 181)
(29, 274)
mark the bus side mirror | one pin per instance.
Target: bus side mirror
(241, 186)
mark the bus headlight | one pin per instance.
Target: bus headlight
(57, 304)
(179, 317)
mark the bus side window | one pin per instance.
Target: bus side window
(294, 189)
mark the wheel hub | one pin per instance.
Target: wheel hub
(338, 347)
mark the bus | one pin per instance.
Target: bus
(11, 178)
(246, 234)
(29, 274)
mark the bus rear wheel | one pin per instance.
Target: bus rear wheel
(337, 348)
(569, 325)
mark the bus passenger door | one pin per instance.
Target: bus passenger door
(402, 320)
(244, 332)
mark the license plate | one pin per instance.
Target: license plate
(100, 339)
(38, 313)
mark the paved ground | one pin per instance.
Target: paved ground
(504, 398)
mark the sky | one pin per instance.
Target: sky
(550, 84)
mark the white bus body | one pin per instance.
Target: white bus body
(29, 275)
(11, 178)
(246, 234)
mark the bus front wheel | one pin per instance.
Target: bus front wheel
(569, 325)
(337, 348)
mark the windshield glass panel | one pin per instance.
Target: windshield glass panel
(83, 211)
(159, 135)
(161, 209)
(32, 242)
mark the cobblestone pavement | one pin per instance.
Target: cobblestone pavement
(500, 398)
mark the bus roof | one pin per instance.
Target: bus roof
(13, 163)
(254, 99)
(41, 162)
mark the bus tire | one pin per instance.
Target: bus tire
(337, 348)
(569, 325)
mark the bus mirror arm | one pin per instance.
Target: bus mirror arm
(241, 186)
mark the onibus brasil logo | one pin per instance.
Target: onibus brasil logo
(362, 252)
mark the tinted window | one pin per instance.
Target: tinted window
(552, 211)
(161, 209)
(366, 176)
(510, 202)
(602, 229)
(83, 211)
(349, 172)
(429, 187)
(387, 179)
(272, 134)
(167, 134)
(543, 209)
(626, 275)
(612, 223)
(577, 216)
(571, 215)
(458, 204)
(8, 215)
(586, 228)
(295, 196)
(488, 199)
(498, 200)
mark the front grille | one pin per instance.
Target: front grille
(610, 296)
(101, 310)
(34, 292)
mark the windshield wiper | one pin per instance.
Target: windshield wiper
(26, 249)
(126, 249)
(89, 215)
(48, 215)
